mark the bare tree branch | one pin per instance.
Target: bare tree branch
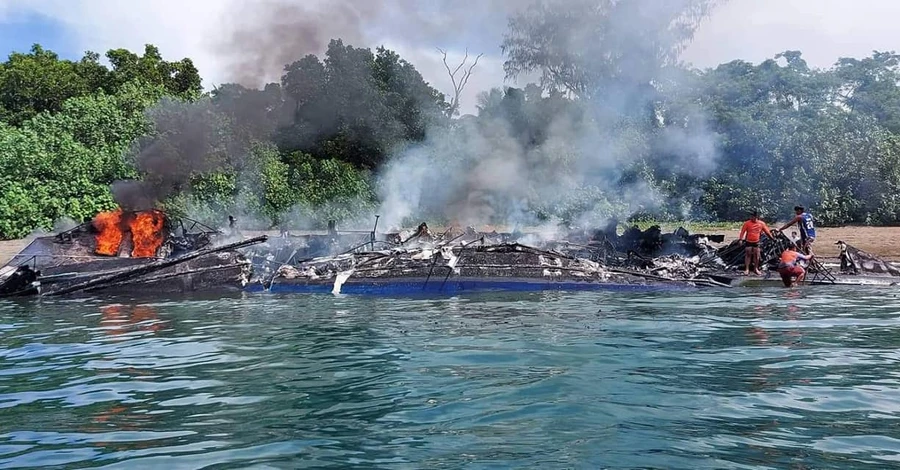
(458, 80)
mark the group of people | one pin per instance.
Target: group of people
(800, 250)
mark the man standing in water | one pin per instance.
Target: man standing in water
(752, 230)
(789, 266)
(804, 221)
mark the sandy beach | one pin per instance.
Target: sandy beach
(879, 241)
(9, 248)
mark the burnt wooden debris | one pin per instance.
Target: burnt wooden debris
(17, 281)
(599, 257)
(189, 256)
(855, 262)
(770, 254)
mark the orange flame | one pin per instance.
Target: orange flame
(109, 238)
(146, 233)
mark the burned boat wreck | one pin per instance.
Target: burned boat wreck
(152, 252)
(133, 252)
(425, 262)
(447, 263)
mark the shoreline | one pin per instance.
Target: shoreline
(10, 248)
(878, 241)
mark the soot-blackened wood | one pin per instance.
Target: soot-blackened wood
(151, 267)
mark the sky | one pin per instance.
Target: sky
(205, 31)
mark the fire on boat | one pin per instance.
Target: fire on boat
(129, 251)
(151, 251)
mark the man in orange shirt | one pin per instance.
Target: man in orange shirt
(790, 266)
(752, 230)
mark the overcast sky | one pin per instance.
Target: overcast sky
(204, 31)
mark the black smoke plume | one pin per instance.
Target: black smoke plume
(261, 37)
(189, 139)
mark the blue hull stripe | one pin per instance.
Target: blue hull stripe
(405, 287)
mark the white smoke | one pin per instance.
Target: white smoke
(589, 165)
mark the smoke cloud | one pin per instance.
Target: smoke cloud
(479, 172)
(267, 35)
(576, 161)
(188, 140)
(261, 37)
(588, 166)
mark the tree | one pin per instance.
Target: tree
(62, 164)
(254, 115)
(870, 86)
(356, 106)
(179, 78)
(40, 81)
(457, 79)
(410, 99)
(35, 82)
(587, 46)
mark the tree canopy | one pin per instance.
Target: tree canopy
(584, 46)
(79, 137)
(40, 81)
(322, 143)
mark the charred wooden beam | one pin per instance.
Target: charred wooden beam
(152, 267)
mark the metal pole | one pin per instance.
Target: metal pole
(372, 236)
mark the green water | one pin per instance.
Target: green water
(775, 378)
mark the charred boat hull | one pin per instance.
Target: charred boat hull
(219, 271)
(508, 267)
(213, 265)
(457, 285)
(67, 271)
(18, 281)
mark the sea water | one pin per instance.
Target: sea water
(738, 378)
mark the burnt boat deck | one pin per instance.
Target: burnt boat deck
(69, 263)
(403, 265)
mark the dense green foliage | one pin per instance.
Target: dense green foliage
(298, 151)
(715, 144)
(789, 133)
(602, 137)
(61, 164)
(775, 134)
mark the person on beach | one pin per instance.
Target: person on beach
(805, 225)
(749, 236)
(789, 266)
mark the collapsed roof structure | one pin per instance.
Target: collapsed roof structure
(152, 252)
(118, 251)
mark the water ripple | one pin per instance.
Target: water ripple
(806, 378)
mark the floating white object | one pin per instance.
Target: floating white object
(339, 281)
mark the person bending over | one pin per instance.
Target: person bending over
(749, 236)
(789, 267)
(804, 221)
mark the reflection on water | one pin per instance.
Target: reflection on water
(803, 378)
(117, 319)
